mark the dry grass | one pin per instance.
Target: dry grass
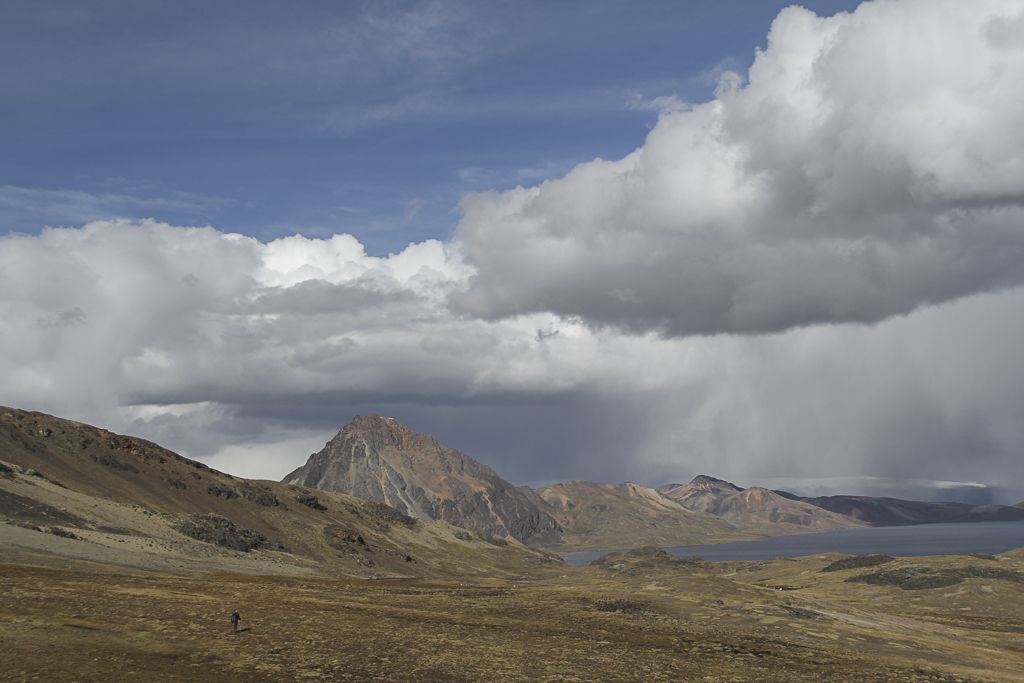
(98, 585)
(645, 621)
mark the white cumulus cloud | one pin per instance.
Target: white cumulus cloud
(871, 163)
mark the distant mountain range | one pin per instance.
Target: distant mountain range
(754, 507)
(378, 459)
(896, 512)
(357, 504)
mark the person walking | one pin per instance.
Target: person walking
(235, 618)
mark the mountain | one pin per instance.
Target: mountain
(896, 512)
(604, 516)
(703, 494)
(755, 510)
(71, 492)
(378, 459)
(752, 509)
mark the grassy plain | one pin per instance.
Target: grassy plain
(103, 578)
(636, 617)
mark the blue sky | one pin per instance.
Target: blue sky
(368, 118)
(575, 240)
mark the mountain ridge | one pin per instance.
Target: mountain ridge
(755, 508)
(377, 458)
(71, 492)
(577, 515)
(898, 512)
(603, 516)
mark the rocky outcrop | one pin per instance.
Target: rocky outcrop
(312, 502)
(924, 578)
(858, 562)
(378, 459)
(340, 538)
(221, 531)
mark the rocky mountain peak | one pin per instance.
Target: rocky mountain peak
(706, 483)
(379, 459)
(384, 432)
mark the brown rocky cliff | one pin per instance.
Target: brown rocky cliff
(378, 459)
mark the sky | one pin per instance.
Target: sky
(780, 245)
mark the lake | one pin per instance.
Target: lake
(899, 541)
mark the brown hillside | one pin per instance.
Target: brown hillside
(605, 517)
(77, 491)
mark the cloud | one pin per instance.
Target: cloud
(169, 315)
(37, 205)
(477, 178)
(412, 208)
(266, 460)
(238, 352)
(695, 307)
(207, 341)
(907, 489)
(926, 395)
(871, 165)
(122, 313)
(661, 104)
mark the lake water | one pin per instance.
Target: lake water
(899, 541)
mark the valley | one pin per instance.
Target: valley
(635, 617)
(121, 560)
